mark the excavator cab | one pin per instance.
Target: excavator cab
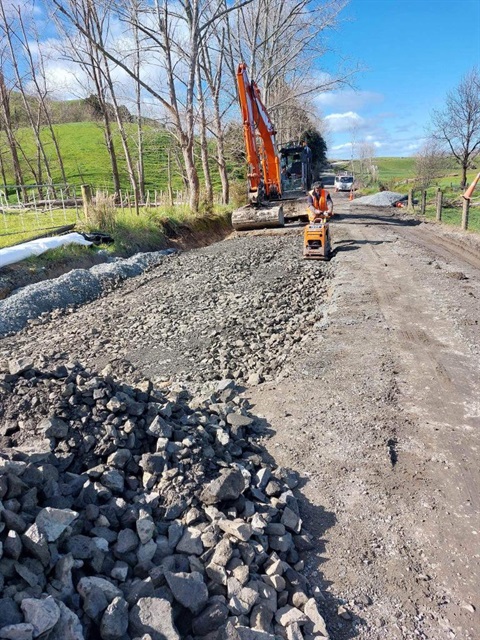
(291, 163)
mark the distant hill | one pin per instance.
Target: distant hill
(388, 168)
(61, 111)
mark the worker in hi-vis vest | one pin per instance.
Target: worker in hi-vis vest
(320, 203)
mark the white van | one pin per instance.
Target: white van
(343, 183)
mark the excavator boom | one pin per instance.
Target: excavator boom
(259, 132)
(264, 180)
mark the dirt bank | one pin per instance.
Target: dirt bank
(199, 232)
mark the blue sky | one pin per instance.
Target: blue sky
(413, 52)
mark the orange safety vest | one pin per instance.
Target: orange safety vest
(320, 203)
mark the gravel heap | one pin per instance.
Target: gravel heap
(235, 310)
(73, 288)
(132, 512)
(381, 199)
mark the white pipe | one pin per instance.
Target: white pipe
(19, 252)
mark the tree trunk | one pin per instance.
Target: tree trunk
(107, 132)
(222, 164)
(123, 136)
(214, 82)
(192, 176)
(464, 174)
(7, 122)
(2, 170)
(140, 165)
(204, 142)
(97, 75)
(169, 177)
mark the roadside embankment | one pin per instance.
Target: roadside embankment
(182, 233)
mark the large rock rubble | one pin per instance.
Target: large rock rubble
(128, 511)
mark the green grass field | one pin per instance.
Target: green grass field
(20, 227)
(131, 233)
(86, 160)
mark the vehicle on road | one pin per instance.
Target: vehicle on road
(343, 183)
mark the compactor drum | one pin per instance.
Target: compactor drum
(316, 241)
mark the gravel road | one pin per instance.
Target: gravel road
(365, 370)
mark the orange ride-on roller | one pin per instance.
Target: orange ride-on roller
(316, 241)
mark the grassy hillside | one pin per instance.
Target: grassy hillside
(86, 159)
(395, 168)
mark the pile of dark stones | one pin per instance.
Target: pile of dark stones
(128, 511)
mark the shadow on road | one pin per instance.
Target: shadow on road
(353, 245)
(385, 219)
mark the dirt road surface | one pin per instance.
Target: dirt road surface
(369, 385)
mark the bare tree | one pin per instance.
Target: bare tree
(80, 50)
(93, 24)
(283, 43)
(99, 29)
(137, 60)
(172, 35)
(212, 66)
(203, 139)
(430, 162)
(457, 126)
(36, 65)
(365, 152)
(7, 125)
(9, 32)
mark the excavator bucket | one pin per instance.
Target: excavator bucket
(316, 241)
(249, 217)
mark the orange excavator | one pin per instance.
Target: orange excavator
(264, 179)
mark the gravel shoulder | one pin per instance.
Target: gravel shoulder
(365, 370)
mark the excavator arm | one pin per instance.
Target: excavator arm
(262, 157)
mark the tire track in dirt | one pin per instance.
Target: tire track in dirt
(393, 324)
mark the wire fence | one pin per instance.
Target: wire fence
(30, 211)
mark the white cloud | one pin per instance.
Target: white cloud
(340, 147)
(12, 6)
(344, 121)
(348, 99)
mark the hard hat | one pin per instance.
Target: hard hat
(317, 185)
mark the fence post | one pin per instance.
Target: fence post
(439, 204)
(423, 202)
(87, 198)
(76, 202)
(465, 210)
(410, 200)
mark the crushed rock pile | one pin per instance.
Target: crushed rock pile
(381, 199)
(132, 512)
(73, 288)
(237, 310)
